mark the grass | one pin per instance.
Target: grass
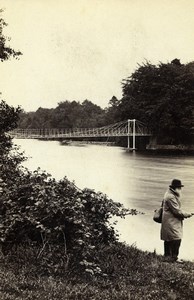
(127, 273)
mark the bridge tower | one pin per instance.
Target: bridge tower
(131, 129)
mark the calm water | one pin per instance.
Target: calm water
(136, 180)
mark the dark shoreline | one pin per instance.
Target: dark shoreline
(171, 149)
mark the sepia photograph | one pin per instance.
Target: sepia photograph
(96, 150)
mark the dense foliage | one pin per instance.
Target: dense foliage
(163, 98)
(57, 217)
(66, 115)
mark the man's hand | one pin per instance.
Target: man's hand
(187, 215)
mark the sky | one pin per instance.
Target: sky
(82, 49)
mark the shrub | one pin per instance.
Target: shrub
(38, 210)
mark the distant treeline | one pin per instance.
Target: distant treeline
(161, 96)
(66, 115)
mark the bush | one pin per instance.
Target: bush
(57, 217)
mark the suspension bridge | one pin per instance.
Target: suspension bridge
(129, 128)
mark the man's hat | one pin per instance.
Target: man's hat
(176, 183)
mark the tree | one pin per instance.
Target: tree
(161, 97)
(9, 116)
(6, 51)
(112, 111)
(92, 115)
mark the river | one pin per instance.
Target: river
(138, 180)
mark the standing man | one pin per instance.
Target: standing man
(172, 221)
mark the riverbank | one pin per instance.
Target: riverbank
(127, 273)
(157, 148)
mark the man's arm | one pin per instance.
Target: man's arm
(175, 209)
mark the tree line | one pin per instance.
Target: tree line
(67, 114)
